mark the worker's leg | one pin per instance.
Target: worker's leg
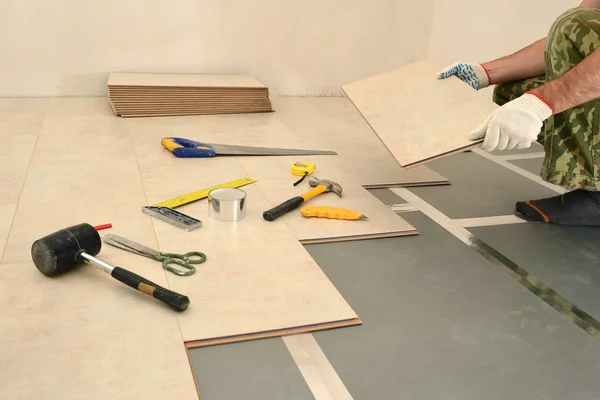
(571, 138)
(505, 92)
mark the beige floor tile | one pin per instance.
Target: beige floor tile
(23, 109)
(86, 107)
(20, 123)
(12, 178)
(257, 276)
(93, 181)
(86, 335)
(15, 154)
(65, 138)
(34, 220)
(7, 213)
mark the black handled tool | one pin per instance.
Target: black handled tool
(63, 250)
(319, 185)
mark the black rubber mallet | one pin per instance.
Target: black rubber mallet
(67, 248)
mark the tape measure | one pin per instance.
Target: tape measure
(302, 169)
(201, 194)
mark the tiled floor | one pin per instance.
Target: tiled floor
(441, 319)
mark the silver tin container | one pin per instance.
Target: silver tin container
(227, 204)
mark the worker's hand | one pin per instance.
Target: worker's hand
(515, 125)
(473, 74)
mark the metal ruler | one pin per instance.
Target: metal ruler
(165, 212)
(173, 217)
(201, 194)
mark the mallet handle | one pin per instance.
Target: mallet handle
(177, 301)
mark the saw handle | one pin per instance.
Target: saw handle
(292, 204)
(175, 300)
(185, 148)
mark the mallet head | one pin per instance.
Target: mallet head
(60, 251)
(331, 185)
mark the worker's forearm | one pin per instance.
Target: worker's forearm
(577, 86)
(525, 63)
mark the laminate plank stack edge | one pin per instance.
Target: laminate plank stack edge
(155, 95)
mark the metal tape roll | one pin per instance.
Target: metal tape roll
(227, 204)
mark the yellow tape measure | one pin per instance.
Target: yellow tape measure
(302, 169)
(201, 194)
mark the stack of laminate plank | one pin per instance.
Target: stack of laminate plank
(153, 95)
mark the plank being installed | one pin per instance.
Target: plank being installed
(418, 117)
(335, 122)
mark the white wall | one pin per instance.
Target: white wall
(479, 31)
(311, 47)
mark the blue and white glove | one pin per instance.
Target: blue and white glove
(474, 75)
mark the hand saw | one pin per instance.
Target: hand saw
(186, 148)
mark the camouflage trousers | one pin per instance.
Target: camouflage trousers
(571, 139)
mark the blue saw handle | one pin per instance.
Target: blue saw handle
(186, 148)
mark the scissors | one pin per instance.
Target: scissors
(183, 260)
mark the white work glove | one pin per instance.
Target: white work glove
(473, 74)
(515, 125)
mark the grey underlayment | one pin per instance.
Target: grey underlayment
(260, 369)
(565, 258)
(386, 196)
(480, 188)
(533, 165)
(534, 148)
(441, 322)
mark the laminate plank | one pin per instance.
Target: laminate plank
(258, 281)
(418, 117)
(275, 182)
(183, 80)
(334, 122)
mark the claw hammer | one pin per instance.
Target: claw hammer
(319, 185)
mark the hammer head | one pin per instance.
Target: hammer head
(330, 185)
(60, 251)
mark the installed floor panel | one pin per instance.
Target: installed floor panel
(439, 322)
(260, 369)
(564, 258)
(480, 188)
(533, 165)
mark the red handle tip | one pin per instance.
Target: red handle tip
(105, 226)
